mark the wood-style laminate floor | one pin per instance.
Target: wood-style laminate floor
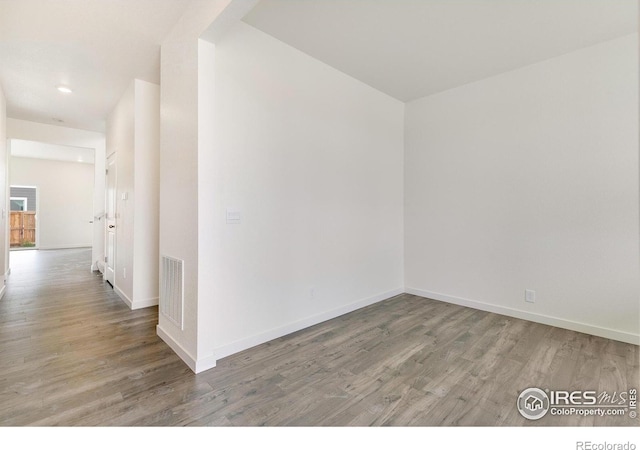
(71, 353)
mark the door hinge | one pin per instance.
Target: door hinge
(106, 259)
(106, 172)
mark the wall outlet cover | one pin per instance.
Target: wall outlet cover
(529, 296)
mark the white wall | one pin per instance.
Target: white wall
(65, 200)
(179, 165)
(146, 192)
(4, 186)
(31, 131)
(529, 180)
(133, 130)
(312, 159)
(120, 138)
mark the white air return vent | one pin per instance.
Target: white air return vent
(171, 290)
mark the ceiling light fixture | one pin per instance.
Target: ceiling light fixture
(65, 89)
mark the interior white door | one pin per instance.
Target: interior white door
(110, 258)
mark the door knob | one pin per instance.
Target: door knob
(112, 226)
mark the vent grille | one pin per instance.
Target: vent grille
(171, 290)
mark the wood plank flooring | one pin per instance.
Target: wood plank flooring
(71, 353)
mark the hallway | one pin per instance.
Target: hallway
(68, 345)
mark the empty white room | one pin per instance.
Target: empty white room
(325, 213)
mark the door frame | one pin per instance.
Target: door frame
(108, 219)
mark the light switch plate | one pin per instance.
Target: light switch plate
(233, 216)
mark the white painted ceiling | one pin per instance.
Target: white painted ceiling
(96, 47)
(406, 48)
(40, 150)
(412, 48)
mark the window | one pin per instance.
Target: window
(18, 203)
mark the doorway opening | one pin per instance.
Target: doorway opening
(51, 196)
(23, 217)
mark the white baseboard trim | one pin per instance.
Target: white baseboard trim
(261, 338)
(207, 363)
(3, 289)
(184, 355)
(138, 304)
(123, 296)
(146, 303)
(65, 247)
(595, 330)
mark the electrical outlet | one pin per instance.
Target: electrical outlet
(124, 273)
(529, 296)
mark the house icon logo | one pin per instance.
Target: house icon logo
(533, 403)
